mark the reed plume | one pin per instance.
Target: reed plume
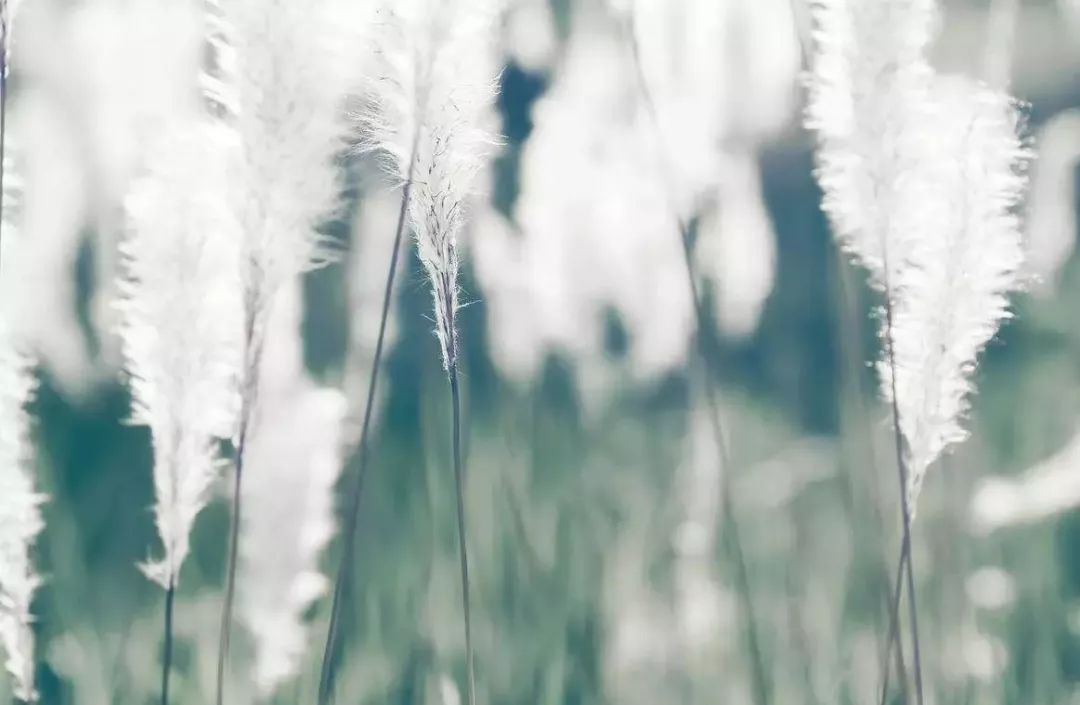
(431, 86)
(921, 176)
(181, 309)
(20, 513)
(180, 331)
(426, 114)
(280, 79)
(953, 292)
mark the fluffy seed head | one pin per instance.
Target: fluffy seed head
(431, 90)
(181, 324)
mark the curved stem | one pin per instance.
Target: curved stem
(326, 674)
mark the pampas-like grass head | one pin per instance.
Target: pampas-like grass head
(922, 176)
(430, 92)
(869, 82)
(953, 286)
(182, 324)
(287, 71)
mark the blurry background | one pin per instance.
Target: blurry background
(602, 574)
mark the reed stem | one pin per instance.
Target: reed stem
(166, 661)
(905, 548)
(459, 482)
(894, 632)
(760, 681)
(246, 412)
(326, 675)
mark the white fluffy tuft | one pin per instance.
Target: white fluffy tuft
(428, 99)
(181, 325)
(283, 71)
(952, 290)
(923, 176)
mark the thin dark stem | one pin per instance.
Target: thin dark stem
(849, 322)
(902, 475)
(230, 578)
(894, 622)
(760, 680)
(326, 677)
(913, 615)
(459, 481)
(166, 661)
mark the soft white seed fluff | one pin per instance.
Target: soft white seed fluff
(293, 463)
(922, 176)
(431, 89)
(290, 70)
(181, 324)
(953, 288)
(20, 515)
(869, 84)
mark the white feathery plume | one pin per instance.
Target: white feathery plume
(922, 175)
(283, 71)
(293, 464)
(870, 80)
(181, 324)
(431, 91)
(20, 514)
(952, 291)
(289, 78)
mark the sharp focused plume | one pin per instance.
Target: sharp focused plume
(181, 325)
(868, 90)
(429, 95)
(953, 288)
(922, 176)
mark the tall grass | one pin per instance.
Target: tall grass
(922, 177)
(431, 87)
(181, 313)
(916, 170)
(286, 78)
(760, 678)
